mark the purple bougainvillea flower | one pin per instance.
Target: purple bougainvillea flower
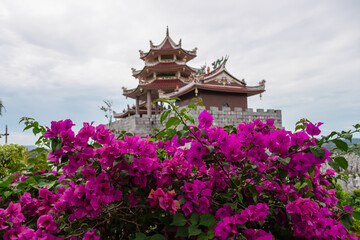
(257, 212)
(313, 129)
(205, 120)
(348, 208)
(225, 211)
(226, 228)
(260, 234)
(14, 213)
(47, 223)
(90, 235)
(187, 208)
(133, 199)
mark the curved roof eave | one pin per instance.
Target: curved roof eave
(139, 72)
(218, 88)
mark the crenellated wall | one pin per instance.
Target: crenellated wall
(222, 117)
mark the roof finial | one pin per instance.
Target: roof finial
(167, 30)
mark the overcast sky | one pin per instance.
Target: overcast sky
(61, 59)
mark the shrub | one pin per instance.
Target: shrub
(251, 181)
(12, 159)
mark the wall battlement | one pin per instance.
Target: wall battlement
(145, 125)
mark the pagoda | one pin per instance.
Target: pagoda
(166, 74)
(165, 71)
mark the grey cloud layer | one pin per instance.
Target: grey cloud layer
(60, 59)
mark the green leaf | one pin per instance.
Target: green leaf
(36, 131)
(182, 232)
(97, 145)
(160, 135)
(309, 183)
(311, 171)
(335, 166)
(55, 145)
(317, 151)
(7, 193)
(194, 219)
(285, 161)
(194, 231)
(356, 215)
(189, 117)
(158, 237)
(340, 144)
(343, 163)
(173, 121)
(140, 236)
(164, 115)
(207, 220)
(182, 201)
(297, 185)
(30, 180)
(175, 98)
(283, 173)
(346, 221)
(178, 220)
(202, 236)
(253, 192)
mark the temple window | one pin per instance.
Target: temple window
(225, 104)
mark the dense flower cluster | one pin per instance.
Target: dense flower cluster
(252, 181)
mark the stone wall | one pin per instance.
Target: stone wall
(222, 117)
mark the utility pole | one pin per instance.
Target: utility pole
(6, 134)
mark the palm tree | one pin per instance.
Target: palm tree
(1, 107)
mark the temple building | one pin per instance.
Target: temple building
(166, 74)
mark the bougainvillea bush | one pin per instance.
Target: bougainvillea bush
(251, 181)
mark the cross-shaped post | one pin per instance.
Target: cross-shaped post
(6, 134)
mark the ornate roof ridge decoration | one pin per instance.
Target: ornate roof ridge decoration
(167, 38)
(219, 66)
(171, 43)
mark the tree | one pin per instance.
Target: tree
(107, 109)
(12, 159)
(1, 107)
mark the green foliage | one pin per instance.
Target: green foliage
(179, 119)
(37, 129)
(12, 158)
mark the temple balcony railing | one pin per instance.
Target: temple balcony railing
(166, 77)
(150, 64)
